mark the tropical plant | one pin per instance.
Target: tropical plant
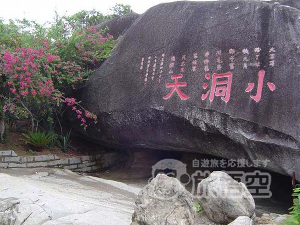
(41, 64)
(64, 142)
(38, 139)
(120, 10)
(30, 151)
(198, 208)
(295, 209)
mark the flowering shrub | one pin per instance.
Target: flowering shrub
(35, 77)
(87, 47)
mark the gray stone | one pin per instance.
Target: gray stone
(59, 162)
(17, 165)
(271, 219)
(54, 163)
(71, 167)
(86, 164)
(74, 160)
(85, 158)
(37, 164)
(3, 165)
(66, 167)
(13, 153)
(24, 159)
(280, 220)
(12, 159)
(164, 201)
(84, 169)
(7, 153)
(42, 158)
(127, 93)
(242, 220)
(223, 199)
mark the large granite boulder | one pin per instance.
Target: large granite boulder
(219, 78)
(118, 25)
(164, 201)
(223, 199)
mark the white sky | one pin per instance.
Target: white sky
(43, 10)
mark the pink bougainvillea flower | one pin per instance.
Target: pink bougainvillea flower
(33, 92)
(13, 90)
(24, 93)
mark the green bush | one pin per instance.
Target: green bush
(295, 209)
(38, 139)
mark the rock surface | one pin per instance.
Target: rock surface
(253, 45)
(242, 220)
(291, 3)
(22, 212)
(118, 25)
(271, 219)
(224, 199)
(164, 201)
(201, 218)
(53, 196)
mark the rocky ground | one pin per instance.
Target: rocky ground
(52, 196)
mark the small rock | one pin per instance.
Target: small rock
(271, 219)
(242, 220)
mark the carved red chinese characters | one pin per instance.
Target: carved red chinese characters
(221, 86)
(261, 76)
(175, 88)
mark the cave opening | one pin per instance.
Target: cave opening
(139, 166)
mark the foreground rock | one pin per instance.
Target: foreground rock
(53, 196)
(240, 114)
(22, 212)
(224, 199)
(164, 201)
(242, 220)
(271, 219)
